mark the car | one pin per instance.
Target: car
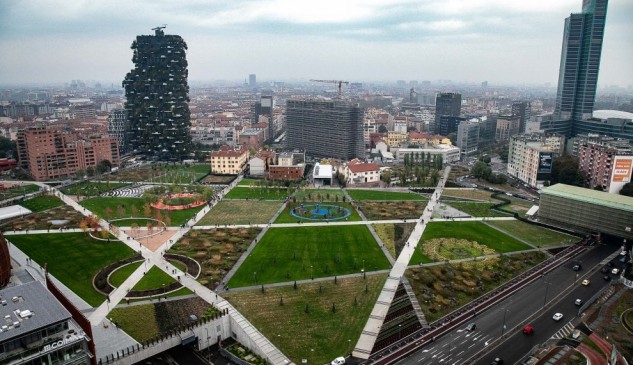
(497, 361)
(623, 252)
(338, 361)
(578, 302)
(576, 267)
(471, 326)
(586, 282)
(528, 330)
(604, 270)
(615, 271)
(557, 316)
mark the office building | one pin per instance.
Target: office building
(449, 123)
(521, 110)
(325, 128)
(264, 107)
(252, 80)
(507, 126)
(530, 157)
(585, 210)
(446, 104)
(157, 97)
(117, 121)
(37, 329)
(468, 137)
(580, 61)
(614, 123)
(49, 153)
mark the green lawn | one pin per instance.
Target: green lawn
(286, 254)
(538, 236)
(128, 207)
(331, 195)
(18, 190)
(42, 203)
(240, 192)
(477, 209)
(241, 212)
(73, 258)
(118, 276)
(319, 335)
(89, 188)
(286, 217)
(154, 279)
(473, 231)
(182, 174)
(383, 195)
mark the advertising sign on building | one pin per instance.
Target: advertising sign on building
(621, 173)
(544, 163)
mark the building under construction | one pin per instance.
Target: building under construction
(325, 128)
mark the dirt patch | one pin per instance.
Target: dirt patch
(153, 243)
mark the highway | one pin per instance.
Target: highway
(535, 305)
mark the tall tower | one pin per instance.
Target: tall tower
(446, 104)
(326, 128)
(157, 97)
(580, 61)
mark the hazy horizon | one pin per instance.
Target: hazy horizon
(466, 41)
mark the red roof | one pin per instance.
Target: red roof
(226, 151)
(358, 166)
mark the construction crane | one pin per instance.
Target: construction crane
(339, 82)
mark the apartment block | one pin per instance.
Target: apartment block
(229, 160)
(530, 157)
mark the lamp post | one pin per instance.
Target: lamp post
(364, 269)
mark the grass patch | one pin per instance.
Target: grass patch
(330, 195)
(321, 334)
(89, 188)
(138, 321)
(286, 217)
(286, 254)
(538, 236)
(474, 194)
(240, 212)
(473, 231)
(358, 194)
(42, 203)
(216, 250)
(477, 209)
(378, 210)
(110, 208)
(118, 276)
(442, 289)
(73, 258)
(154, 279)
(394, 236)
(164, 173)
(240, 192)
(18, 190)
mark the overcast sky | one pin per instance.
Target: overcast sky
(501, 41)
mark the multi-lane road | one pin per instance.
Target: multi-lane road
(498, 331)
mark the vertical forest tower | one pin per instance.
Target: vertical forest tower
(156, 93)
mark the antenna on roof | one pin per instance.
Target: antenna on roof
(159, 30)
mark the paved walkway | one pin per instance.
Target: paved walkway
(369, 334)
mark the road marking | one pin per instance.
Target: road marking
(472, 345)
(460, 353)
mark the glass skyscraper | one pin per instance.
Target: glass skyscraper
(580, 61)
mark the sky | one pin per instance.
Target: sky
(499, 41)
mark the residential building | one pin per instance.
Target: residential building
(82, 109)
(468, 137)
(117, 122)
(447, 152)
(156, 92)
(229, 160)
(253, 138)
(37, 329)
(530, 157)
(396, 139)
(507, 126)
(357, 172)
(446, 104)
(216, 133)
(259, 164)
(325, 128)
(264, 107)
(290, 166)
(50, 153)
(572, 146)
(597, 161)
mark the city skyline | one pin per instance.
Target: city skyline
(468, 41)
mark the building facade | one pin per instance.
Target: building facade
(580, 61)
(229, 160)
(325, 128)
(468, 137)
(522, 110)
(357, 172)
(446, 104)
(530, 157)
(38, 329)
(156, 92)
(49, 153)
(117, 122)
(507, 126)
(596, 161)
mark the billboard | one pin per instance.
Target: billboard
(544, 162)
(621, 173)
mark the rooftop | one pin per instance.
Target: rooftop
(605, 114)
(590, 196)
(26, 308)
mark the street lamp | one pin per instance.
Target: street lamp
(363, 269)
